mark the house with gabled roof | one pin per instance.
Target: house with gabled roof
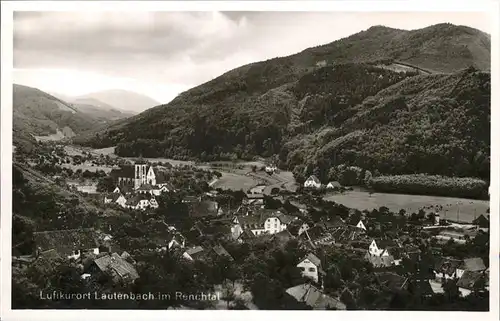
(119, 267)
(312, 182)
(333, 185)
(67, 243)
(475, 264)
(141, 202)
(356, 219)
(311, 267)
(262, 221)
(482, 221)
(115, 198)
(194, 253)
(123, 189)
(314, 297)
(379, 261)
(220, 251)
(471, 281)
(446, 268)
(382, 247)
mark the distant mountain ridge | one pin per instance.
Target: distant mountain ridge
(37, 114)
(317, 107)
(122, 100)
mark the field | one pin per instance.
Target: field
(362, 200)
(89, 167)
(235, 182)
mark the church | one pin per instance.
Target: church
(140, 174)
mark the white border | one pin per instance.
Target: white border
(492, 7)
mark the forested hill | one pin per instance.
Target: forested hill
(347, 102)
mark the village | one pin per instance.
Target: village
(416, 252)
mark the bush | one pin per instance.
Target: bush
(432, 185)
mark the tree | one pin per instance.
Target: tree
(106, 184)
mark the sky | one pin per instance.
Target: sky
(161, 54)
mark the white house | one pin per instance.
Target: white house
(310, 267)
(268, 222)
(361, 226)
(115, 198)
(312, 182)
(333, 185)
(380, 249)
(139, 202)
(271, 168)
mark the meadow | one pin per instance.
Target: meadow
(467, 209)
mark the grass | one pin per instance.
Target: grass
(88, 167)
(235, 182)
(413, 203)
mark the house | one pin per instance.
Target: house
(316, 235)
(391, 281)
(271, 168)
(67, 243)
(194, 253)
(311, 267)
(312, 182)
(115, 198)
(259, 189)
(139, 202)
(382, 247)
(446, 268)
(379, 261)
(470, 281)
(475, 264)
(246, 236)
(262, 221)
(356, 219)
(220, 251)
(313, 297)
(333, 185)
(124, 190)
(482, 222)
(253, 199)
(119, 267)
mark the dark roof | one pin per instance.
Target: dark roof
(473, 264)
(334, 184)
(134, 200)
(117, 266)
(332, 222)
(314, 232)
(386, 243)
(114, 196)
(469, 279)
(145, 187)
(482, 221)
(247, 235)
(446, 265)
(379, 261)
(354, 219)
(313, 258)
(391, 280)
(125, 189)
(313, 297)
(66, 241)
(221, 251)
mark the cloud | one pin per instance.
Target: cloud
(187, 48)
